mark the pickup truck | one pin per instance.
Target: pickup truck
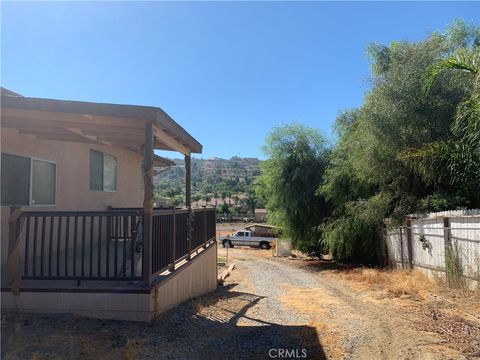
(247, 238)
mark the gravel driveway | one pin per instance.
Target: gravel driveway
(267, 308)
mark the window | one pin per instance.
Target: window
(240, 233)
(103, 171)
(43, 182)
(27, 181)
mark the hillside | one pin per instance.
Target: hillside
(226, 180)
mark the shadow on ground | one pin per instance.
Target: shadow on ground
(214, 327)
(320, 265)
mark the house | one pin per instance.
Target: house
(79, 231)
(264, 229)
(283, 247)
(260, 215)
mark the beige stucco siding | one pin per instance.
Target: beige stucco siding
(73, 175)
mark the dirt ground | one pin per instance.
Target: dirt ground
(273, 308)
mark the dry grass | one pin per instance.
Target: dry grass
(394, 283)
(306, 300)
(315, 303)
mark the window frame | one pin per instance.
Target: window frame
(30, 184)
(32, 159)
(103, 171)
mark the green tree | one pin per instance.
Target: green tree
(297, 158)
(369, 178)
(251, 201)
(457, 159)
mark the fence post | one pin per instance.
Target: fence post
(383, 255)
(409, 243)
(174, 237)
(401, 247)
(447, 241)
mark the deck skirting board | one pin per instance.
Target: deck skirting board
(197, 277)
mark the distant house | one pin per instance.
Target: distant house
(264, 229)
(79, 229)
(260, 215)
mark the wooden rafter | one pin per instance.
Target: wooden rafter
(170, 141)
(90, 137)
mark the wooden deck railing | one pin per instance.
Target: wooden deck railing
(171, 238)
(107, 245)
(89, 245)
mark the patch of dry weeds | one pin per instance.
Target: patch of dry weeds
(393, 283)
(314, 302)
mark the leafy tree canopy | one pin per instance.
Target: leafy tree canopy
(297, 159)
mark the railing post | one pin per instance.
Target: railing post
(13, 262)
(174, 239)
(205, 227)
(188, 201)
(148, 204)
(191, 218)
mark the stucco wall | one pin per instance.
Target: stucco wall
(73, 175)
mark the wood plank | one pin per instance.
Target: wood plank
(148, 204)
(170, 141)
(118, 132)
(70, 117)
(58, 127)
(90, 137)
(227, 272)
(167, 124)
(18, 122)
(68, 138)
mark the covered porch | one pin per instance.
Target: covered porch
(120, 249)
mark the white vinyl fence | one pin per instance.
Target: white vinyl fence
(447, 245)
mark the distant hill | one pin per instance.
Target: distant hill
(227, 180)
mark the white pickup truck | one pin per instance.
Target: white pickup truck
(247, 238)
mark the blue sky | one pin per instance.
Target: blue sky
(227, 72)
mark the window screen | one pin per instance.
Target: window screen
(109, 173)
(103, 171)
(96, 170)
(15, 180)
(43, 182)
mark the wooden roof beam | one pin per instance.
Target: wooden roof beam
(170, 141)
(90, 137)
(70, 117)
(90, 128)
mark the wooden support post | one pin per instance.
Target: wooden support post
(409, 243)
(14, 274)
(188, 201)
(188, 181)
(148, 204)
